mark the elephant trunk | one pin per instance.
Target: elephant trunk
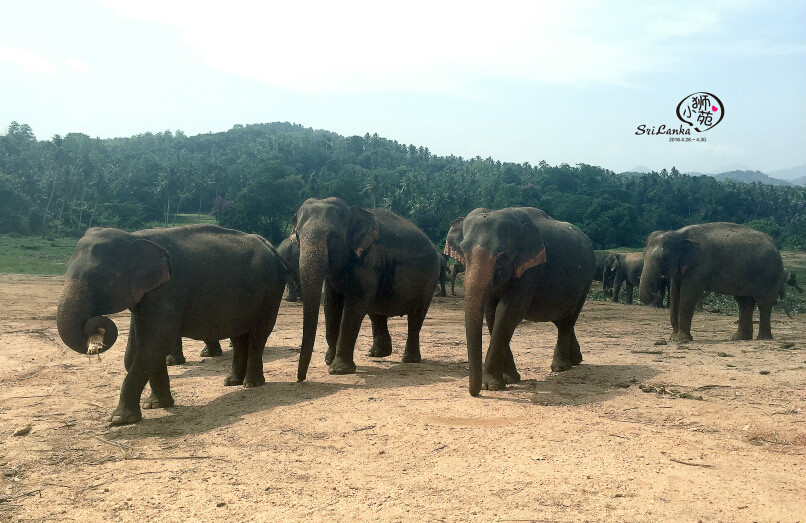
(313, 264)
(478, 279)
(79, 328)
(649, 283)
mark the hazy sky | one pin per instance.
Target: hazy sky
(522, 81)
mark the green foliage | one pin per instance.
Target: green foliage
(254, 177)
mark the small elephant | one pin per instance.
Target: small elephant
(626, 268)
(290, 251)
(198, 281)
(721, 257)
(521, 264)
(603, 272)
(371, 261)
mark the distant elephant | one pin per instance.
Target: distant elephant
(721, 257)
(521, 264)
(792, 280)
(198, 281)
(371, 261)
(456, 269)
(290, 251)
(455, 238)
(443, 274)
(603, 272)
(626, 268)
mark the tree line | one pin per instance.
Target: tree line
(254, 177)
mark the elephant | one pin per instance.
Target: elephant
(520, 264)
(443, 272)
(290, 251)
(792, 280)
(371, 261)
(626, 268)
(456, 269)
(726, 258)
(602, 272)
(197, 281)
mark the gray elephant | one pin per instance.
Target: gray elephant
(521, 264)
(721, 257)
(792, 280)
(626, 268)
(289, 250)
(443, 275)
(371, 261)
(198, 281)
(456, 269)
(603, 272)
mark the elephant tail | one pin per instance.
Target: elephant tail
(290, 269)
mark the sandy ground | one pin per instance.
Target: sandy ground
(708, 431)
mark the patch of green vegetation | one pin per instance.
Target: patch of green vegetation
(34, 255)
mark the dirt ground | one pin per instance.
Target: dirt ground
(707, 431)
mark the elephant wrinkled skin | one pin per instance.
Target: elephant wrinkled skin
(520, 264)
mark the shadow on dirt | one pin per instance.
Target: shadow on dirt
(584, 384)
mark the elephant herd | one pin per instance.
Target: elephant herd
(208, 283)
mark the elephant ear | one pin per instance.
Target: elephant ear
(294, 236)
(531, 250)
(689, 256)
(151, 267)
(614, 263)
(453, 240)
(362, 231)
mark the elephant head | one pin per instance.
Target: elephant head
(496, 247)
(330, 236)
(667, 254)
(110, 271)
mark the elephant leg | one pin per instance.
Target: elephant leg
(509, 313)
(131, 347)
(563, 359)
(629, 288)
(353, 315)
(334, 310)
(746, 306)
(160, 396)
(415, 323)
(453, 284)
(619, 279)
(257, 343)
(381, 340)
(687, 303)
(240, 353)
(765, 316)
(511, 374)
(674, 305)
(576, 351)
(176, 356)
(211, 348)
(293, 295)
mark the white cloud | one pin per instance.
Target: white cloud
(27, 59)
(80, 66)
(349, 46)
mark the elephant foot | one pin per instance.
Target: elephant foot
(233, 380)
(490, 382)
(341, 366)
(680, 336)
(178, 359)
(123, 415)
(512, 377)
(741, 336)
(153, 402)
(330, 356)
(764, 336)
(210, 352)
(292, 300)
(411, 356)
(257, 381)
(380, 350)
(561, 365)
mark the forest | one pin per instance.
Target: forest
(254, 177)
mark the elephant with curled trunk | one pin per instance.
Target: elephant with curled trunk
(371, 261)
(198, 281)
(520, 264)
(721, 257)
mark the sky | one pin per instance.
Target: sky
(518, 81)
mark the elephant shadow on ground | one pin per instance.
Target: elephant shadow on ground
(394, 374)
(584, 384)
